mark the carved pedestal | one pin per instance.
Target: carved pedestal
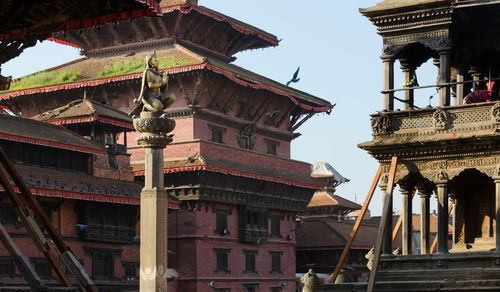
(154, 202)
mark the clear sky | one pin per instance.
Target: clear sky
(338, 51)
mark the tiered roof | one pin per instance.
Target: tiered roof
(35, 132)
(86, 111)
(174, 59)
(224, 166)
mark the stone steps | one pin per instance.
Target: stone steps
(417, 286)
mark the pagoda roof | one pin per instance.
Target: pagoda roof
(89, 72)
(323, 198)
(35, 19)
(179, 23)
(214, 164)
(84, 111)
(242, 27)
(389, 5)
(63, 184)
(326, 233)
(40, 133)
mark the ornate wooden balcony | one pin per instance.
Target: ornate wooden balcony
(412, 129)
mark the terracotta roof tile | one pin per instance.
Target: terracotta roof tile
(41, 133)
(324, 198)
(330, 233)
(83, 108)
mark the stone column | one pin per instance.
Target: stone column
(444, 77)
(442, 194)
(497, 213)
(406, 219)
(459, 98)
(387, 245)
(408, 73)
(154, 201)
(424, 222)
(388, 83)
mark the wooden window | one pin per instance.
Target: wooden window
(275, 226)
(250, 287)
(276, 289)
(7, 267)
(50, 157)
(276, 262)
(130, 270)
(221, 221)
(217, 133)
(222, 260)
(103, 262)
(9, 216)
(250, 256)
(42, 268)
(271, 146)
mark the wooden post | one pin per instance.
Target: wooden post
(459, 99)
(383, 224)
(354, 231)
(388, 83)
(444, 77)
(29, 201)
(22, 263)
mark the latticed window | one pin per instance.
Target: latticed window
(271, 146)
(130, 270)
(276, 261)
(222, 260)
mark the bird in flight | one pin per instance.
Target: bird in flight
(294, 78)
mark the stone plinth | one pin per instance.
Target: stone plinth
(154, 201)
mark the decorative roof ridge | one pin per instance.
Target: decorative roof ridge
(236, 24)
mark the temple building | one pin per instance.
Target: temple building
(229, 166)
(450, 150)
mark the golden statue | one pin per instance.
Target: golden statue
(154, 84)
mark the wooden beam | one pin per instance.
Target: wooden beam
(356, 226)
(435, 241)
(153, 28)
(296, 126)
(286, 114)
(22, 263)
(383, 224)
(29, 200)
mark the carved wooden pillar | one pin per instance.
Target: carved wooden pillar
(388, 83)
(442, 194)
(408, 73)
(459, 98)
(444, 77)
(497, 213)
(387, 246)
(407, 218)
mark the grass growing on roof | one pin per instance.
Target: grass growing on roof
(138, 65)
(44, 79)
